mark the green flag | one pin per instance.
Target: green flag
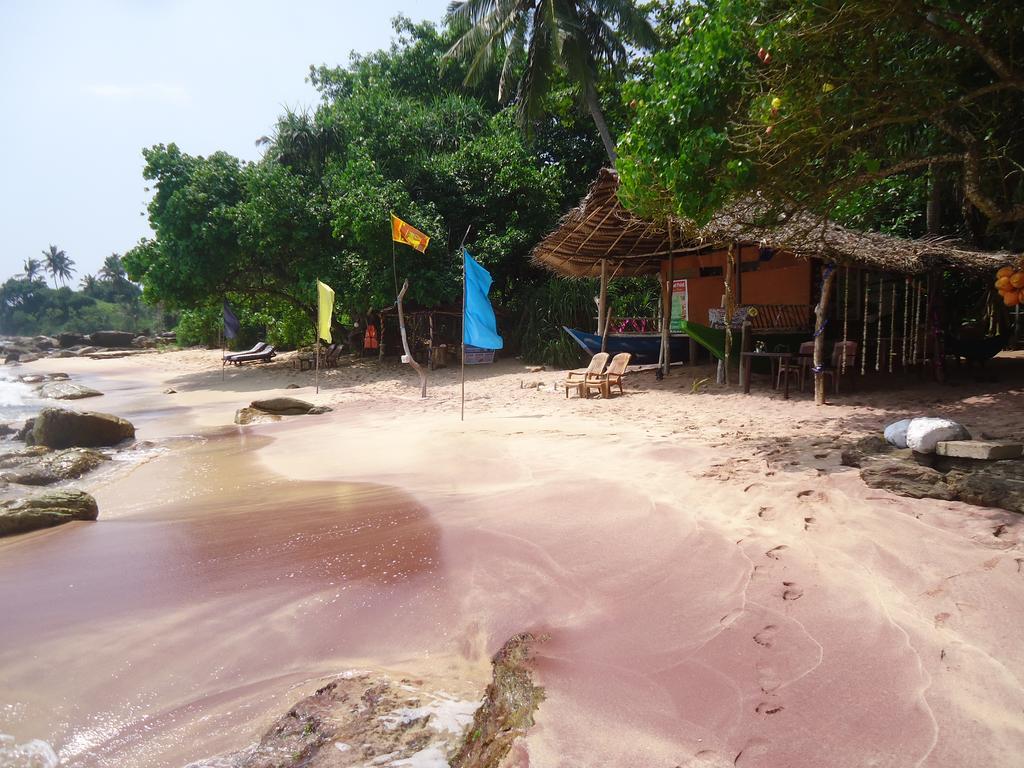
(325, 306)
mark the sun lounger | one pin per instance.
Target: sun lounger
(257, 347)
(576, 379)
(603, 382)
(265, 355)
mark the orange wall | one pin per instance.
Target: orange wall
(784, 279)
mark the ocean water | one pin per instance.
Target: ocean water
(18, 401)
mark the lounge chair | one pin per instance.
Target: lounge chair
(603, 382)
(576, 379)
(259, 346)
(265, 355)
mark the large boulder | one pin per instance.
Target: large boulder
(66, 390)
(67, 340)
(923, 434)
(44, 343)
(58, 428)
(287, 406)
(45, 511)
(111, 338)
(53, 467)
(999, 484)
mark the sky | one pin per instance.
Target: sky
(85, 86)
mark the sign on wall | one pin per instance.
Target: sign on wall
(680, 305)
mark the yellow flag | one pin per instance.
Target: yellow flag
(408, 234)
(325, 306)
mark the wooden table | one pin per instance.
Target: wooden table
(776, 358)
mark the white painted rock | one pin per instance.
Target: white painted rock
(896, 433)
(924, 433)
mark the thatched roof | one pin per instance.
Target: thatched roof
(601, 228)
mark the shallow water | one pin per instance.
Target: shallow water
(151, 638)
(18, 401)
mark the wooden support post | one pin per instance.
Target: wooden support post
(671, 284)
(730, 305)
(746, 345)
(602, 298)
(405, 343)
(821, 316)
(666, 317)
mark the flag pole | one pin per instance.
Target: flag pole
(316, 347)
(462, 254)
(220, 338)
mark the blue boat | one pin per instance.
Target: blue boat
(644, 347)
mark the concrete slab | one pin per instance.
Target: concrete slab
(986, 450)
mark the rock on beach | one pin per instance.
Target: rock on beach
(45, 511)
(59, 428)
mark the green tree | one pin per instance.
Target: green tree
(88, 283)
(113, 269)
(32, 270)
(825, 105)
(58, 264)
(537, 38)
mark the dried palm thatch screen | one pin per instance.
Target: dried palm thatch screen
(602, 229)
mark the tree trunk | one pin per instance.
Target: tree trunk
(821, 313)
(602, 127)
(405, 343)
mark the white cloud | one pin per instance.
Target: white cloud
(164, 93)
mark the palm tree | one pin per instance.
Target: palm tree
(88, 283)
(577, 36)
(113, 270)
(58, 264)
(32, 269)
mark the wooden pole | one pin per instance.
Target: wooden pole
(730, 304)
(671, 287)
(221, 341)
(666, 317)
(462, 255)
(821, 315)
(405, 342)
(602, 300)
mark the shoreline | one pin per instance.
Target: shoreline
(655, 537)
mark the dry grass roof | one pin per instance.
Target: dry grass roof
(601, 228)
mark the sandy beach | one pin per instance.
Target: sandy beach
(716, 589)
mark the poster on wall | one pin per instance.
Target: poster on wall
(680, 305)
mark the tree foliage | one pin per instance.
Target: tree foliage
(835, 107)
(584, 39)
(395, 132)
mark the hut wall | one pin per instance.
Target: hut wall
(783, 279)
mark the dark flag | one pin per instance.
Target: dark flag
(231, 324)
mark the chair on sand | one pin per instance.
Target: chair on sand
(576, 379)
(799, 366)
(603, 381)
(847, 349)
(265, 355)
(259, 346)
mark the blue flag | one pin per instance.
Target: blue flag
(479, 328)
(231, 324)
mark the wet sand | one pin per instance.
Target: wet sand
(716, 590)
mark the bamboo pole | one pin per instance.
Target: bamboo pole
(462, 255)
(667, 342)
(602, 300)
(730, 305)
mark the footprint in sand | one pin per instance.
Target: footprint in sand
(707, 758)
(768, 678)
(766, 637)
(768, 708)
(775, 553)
(752, 750)
(766, 513)
(808, 523)
(793, 591)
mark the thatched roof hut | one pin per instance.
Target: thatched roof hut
(601, 229)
